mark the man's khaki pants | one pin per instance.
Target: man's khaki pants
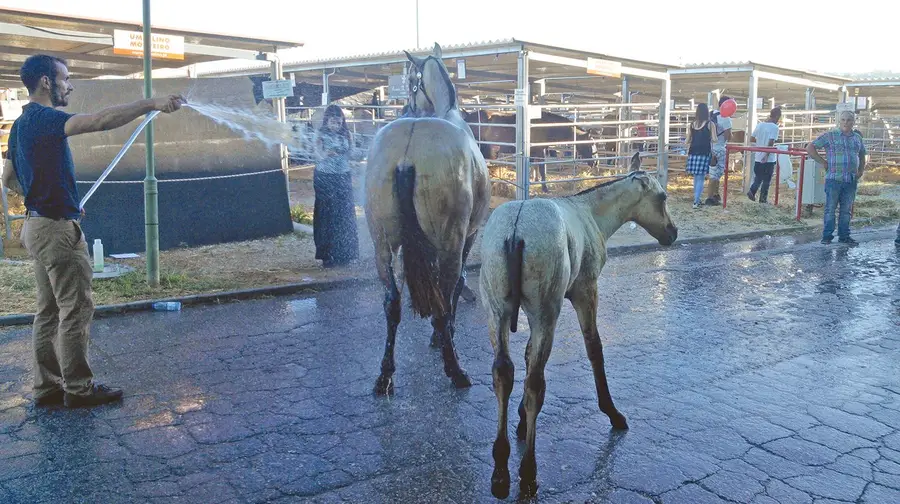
(62, 268)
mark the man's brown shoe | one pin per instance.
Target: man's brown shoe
(101, 394)
(52, 399)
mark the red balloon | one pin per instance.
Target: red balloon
(728, 108)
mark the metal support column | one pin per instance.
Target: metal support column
(662, 170)
(624, 130)
(752, 119)
(278, 104)
(810, 104)
(325, 97)
(711, 101)
(523, 130)
(151, 208)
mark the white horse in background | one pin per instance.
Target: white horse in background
(535, 254)
(427, 194)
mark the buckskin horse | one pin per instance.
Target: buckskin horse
(536, 253)
(427, 195)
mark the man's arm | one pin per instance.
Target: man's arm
(813, 153)
(728, 135)
(120, 115)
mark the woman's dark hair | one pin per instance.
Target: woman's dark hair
(702, 113)
(723, 99)
(38, 66)
(335, 111)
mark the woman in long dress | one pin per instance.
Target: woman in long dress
(334, 215)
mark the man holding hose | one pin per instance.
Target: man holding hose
(39, 166)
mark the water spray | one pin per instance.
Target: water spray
(254, 125)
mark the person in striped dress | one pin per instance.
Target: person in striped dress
(701, 136)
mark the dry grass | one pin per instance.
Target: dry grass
(290, 258)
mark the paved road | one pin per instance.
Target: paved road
(756, 372)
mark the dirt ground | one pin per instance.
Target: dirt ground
(290, 258)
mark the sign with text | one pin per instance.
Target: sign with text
(277, 89)
(604, 67)
(131, 43)
(397, 87)
(520, 97)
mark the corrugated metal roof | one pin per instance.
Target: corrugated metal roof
(337, 60)
(454, 47)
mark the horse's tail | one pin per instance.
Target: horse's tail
(419, 254)
(515, 251)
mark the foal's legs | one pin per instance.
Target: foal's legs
(523, 422)
(584, 300)
(504, 374)
(535, 386)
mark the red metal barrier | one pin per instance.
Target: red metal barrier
(791, 152)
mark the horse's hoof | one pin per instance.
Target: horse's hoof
(528, 488)
(384, 386)
(461, 380)
(500, 483)
(435, 340)
(618, 421)
(467, 294)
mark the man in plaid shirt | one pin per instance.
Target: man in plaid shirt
(846, 161)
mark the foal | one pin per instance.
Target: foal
(535, 253)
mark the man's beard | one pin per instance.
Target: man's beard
(58, 99)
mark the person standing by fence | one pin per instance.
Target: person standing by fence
(45, 172)
(764, 135)
(845, 163)
(700, 137)
(723, 136)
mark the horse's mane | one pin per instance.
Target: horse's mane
(611, 182)
(600, 186)
(449, 83)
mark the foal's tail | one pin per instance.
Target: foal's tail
(515, 250)
(419, 254)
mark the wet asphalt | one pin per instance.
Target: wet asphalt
(761, 371)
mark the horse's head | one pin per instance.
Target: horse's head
(431, 92)
(651, 211)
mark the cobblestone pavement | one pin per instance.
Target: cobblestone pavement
(759, 372)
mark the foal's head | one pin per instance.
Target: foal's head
(651, 211)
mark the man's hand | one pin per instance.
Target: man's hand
(169, 104)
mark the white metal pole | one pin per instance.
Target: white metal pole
(623, 130)
(662, 169)
(523, 129)
(752, 119)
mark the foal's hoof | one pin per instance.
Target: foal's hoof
(500, 483)
(461, 380)
(384, 385)
(467, 294)
(528, 488)
(618, 421)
